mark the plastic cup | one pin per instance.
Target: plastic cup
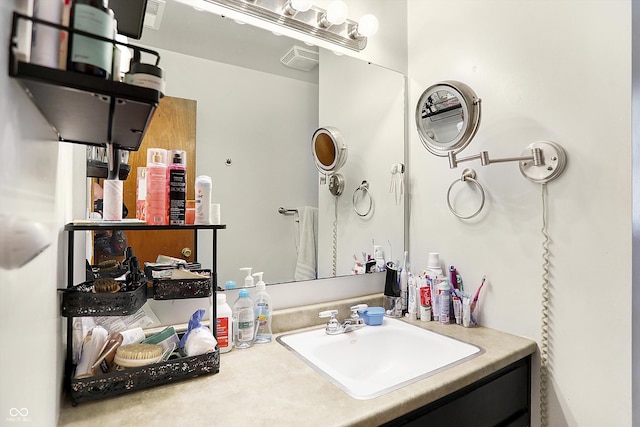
(190, 212)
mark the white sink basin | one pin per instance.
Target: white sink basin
(375, 360)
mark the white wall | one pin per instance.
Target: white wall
(263, 123)
(535, 65)
(34, 184)
(558, 71)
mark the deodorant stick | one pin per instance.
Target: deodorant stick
(203, 200)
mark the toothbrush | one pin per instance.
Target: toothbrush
(459, 280)
(453, 276)
(475, 300)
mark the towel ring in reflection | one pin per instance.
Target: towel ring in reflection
(364, 189)
(467, 175)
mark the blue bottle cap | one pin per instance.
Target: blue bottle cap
(243, 293)
(230, 284)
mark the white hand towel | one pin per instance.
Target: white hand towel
(307, 263)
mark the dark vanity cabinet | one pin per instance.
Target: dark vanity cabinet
(76, 303)
(500, 399)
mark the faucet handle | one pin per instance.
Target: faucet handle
(328, 313)
(333, 326)
(358, 307)
(355, 317)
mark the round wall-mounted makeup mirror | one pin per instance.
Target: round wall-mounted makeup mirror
(447, 117)
(329, 149)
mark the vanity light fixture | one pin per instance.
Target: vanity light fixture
(298, 19)
(294, 6)
(336, 14)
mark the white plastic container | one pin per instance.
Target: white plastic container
(112, 200)
(224, 323)
(413, 298)
(444, 301)
(45, 40)
(157, 193)
(434, 272)
(262, 308)
(203, 187)
(243, 320)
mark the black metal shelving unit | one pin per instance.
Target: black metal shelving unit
(89, 110)
(85, 109)
(136, 378)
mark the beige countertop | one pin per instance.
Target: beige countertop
(267, 385)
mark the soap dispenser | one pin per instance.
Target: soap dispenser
(248, 280)
(262, 307)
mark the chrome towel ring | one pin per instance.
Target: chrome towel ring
(364, 189)
(467, 175)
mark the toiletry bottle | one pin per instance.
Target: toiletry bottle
(243, 320)
(433, 272)
(203, 200)
(248, 279)
(45, 40)
(425, 299)
(224, 323)
(444, 300)
(156, 200)
(263, 312)
(141, 194)
(412, 301)
(88, 55)
(177, 183)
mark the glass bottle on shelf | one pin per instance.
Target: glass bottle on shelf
(85, 54)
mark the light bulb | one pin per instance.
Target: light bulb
(301, 5)
(337, 12)
(368, 25)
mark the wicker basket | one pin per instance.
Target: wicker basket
(79, 301)
(169, 289)
(133, 379)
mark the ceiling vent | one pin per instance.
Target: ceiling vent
(300, 58)
(153, 14)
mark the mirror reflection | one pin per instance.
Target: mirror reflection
(255, 120)
(442, 116)
(447, 117)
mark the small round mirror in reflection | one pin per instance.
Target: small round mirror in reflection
(325, 149)
(329, 149)
(447, 117)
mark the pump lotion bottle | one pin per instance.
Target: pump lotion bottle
(262, 305)
(156, 200)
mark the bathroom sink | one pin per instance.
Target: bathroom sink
(375, 360)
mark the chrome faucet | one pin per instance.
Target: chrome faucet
(351, 324)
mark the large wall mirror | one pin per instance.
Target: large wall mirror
(255, 120)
